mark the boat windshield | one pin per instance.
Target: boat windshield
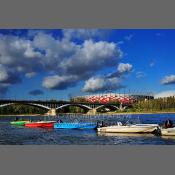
(119, 123)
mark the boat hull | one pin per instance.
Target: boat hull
(129, 129)
(108, 134)
(75, 125)
(19, 123)
(41, 124)
(168, 132)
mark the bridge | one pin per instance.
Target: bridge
(52, 106)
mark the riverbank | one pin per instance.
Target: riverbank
(107, 113)
(130, 113)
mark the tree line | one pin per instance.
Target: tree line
(21, 109)
(161, 104)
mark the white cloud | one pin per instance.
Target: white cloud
(59, 82)
(7, 76)
(81, 33)
(91, 57)
(16, 52)
(97, 84)
(30, 74)
(94, 84)
(82, 62)
(17, 57)
(168, 80)
(3, 74)
(111, 81)
(165, 94)
(124, 68)
(70, 62)
(140, 74)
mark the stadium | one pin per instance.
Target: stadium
(114, 97)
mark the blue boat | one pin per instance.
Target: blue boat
(75, 125)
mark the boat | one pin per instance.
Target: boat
(75, 125)
(19, 123)
(168, 131)
(41, 124)
(132, 128)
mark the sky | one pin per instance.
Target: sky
(61, 63)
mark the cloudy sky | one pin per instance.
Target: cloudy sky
(46, 64)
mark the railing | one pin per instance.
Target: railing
(51, 102)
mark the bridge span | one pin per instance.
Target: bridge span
(52, 106)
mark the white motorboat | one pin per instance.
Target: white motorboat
(133, 128)
(168, 131)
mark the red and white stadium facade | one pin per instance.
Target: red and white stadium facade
(111, 97)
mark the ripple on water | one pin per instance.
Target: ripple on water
(13, 135)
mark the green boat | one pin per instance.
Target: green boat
(19, 123)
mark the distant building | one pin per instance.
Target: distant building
(114, 97)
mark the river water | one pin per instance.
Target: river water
(15, 135)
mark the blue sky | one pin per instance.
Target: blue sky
(56, 64)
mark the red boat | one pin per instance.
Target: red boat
(41, 124)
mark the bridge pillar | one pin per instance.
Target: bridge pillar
(92, 111)
(121, 107)
(52, 112)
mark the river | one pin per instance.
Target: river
(15, 135)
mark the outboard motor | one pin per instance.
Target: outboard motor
(100, 124)
(59, 121)
(157, 131)
(168, 124)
